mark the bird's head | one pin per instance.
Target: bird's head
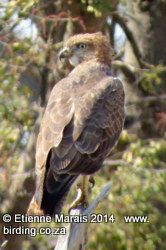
(85, 47)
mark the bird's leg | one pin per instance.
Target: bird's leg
(83, 192)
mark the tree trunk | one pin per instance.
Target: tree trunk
(147, 23)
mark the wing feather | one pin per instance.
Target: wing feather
(105, 119)
(75, 126)
(58, 114)
(93, 131)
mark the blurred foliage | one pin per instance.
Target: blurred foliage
(98, 6)
(149, 154)
(21, 7)
(152, 79)
(17, 119)
(137, 189)
(134, 192)
(17, 115)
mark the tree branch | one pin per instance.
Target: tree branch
(121, 21)
(146, 99)
(77, 233)
(118, 163)
(128, 70)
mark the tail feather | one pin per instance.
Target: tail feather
(55, 192)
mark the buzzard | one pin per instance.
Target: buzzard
(82, 122)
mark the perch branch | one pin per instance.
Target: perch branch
(77, 233)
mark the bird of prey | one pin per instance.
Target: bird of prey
(82, 122)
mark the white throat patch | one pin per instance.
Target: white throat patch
(74, 60)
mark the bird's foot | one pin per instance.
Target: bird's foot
(83, 191)
(80, 201)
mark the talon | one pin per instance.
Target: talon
(82, 196)
(76, 202)
(92, 181)
(80, 201)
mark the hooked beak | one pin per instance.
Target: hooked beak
(64, 53)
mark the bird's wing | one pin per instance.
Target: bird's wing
(94, 129)
(57, 116)
(80, 123)
(104, 120)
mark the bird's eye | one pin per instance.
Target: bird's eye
(81, 46)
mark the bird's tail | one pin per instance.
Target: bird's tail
(55, 192)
